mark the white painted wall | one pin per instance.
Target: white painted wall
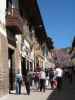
(2, 10)
(2, 16)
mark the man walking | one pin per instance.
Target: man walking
(42, 80)
(59, 75)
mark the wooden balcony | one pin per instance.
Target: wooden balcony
(13, 19)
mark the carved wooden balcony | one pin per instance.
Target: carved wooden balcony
(13, 19)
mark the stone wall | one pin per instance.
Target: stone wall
(4, 71)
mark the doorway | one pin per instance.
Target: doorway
(11, 63)
(23, 64)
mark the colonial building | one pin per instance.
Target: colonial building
(22, 35)
(49, 63)
(26, 50)
(11, 24)
(3, 51)
(36, 31)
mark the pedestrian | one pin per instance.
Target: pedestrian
(27, 83)
(18, 82)
(31, 78)
(36, 80)
(59, 76)
(70, 75)
(51, 75)
(47, 77)
(42, 80)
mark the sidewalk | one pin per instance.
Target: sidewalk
(35, 95)
(66, 93)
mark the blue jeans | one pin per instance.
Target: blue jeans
(18, 87)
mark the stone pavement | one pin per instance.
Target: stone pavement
(66, 93)
(35, 95)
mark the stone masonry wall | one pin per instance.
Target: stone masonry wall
(4, 71)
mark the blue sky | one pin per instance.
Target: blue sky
(59, 20)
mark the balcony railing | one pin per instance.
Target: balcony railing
(14, 19)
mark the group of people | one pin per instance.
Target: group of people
(53, 76)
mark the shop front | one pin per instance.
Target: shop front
(27, 58)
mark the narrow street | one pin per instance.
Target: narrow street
(66, 93)
(37, 49)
